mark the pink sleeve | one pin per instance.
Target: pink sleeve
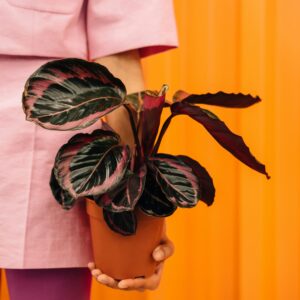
(117, 25)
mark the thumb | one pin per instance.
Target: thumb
(163, 251)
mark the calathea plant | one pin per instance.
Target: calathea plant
(71, 94)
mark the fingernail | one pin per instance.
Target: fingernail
(158, 255)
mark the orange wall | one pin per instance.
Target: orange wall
(245, 246)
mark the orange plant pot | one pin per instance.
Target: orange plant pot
(120, 256)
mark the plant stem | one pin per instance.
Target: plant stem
(134, 130)
(161, 134)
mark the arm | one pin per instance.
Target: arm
(127, 67)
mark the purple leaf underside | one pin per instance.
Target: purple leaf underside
(207, 194)
(221, 133)
(220, 99)
(150, 118)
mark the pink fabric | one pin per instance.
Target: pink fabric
(35, 232)
(49, 284)
(146, 25)
(58, 28)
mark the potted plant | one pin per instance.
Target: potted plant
(129, 191)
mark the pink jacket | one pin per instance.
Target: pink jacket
(35, 232)
(85, 29)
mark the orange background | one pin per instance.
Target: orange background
(245, 246)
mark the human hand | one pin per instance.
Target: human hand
(160, 254)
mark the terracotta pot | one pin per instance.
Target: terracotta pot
(120, 256)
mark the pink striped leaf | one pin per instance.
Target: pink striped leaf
(126, 195)
(124, 223)
(91, 164)
(60, 195)
(221, 133)
(207, 194)
(71, 94)
(153, 201)
(176, 179)
(220, 99)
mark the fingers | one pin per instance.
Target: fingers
(94, 271)
(102, 278)
(140, 284)
(160, 253)
(163, 251)
(91, 266)
(108, 281)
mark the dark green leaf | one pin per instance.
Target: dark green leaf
(123, 222)
(150, 120)
(153, 201)
(125, 196)
(176, 179)
(60, 195)
(91, 164)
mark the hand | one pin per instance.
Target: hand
(160, 254)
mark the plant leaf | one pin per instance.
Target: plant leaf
(220, 99)
(176, 179)
(91, 164)
(153, 201)
(135, 100)
(71, 94)
(125, 196)
(60, 195)
(150, 120)
(221, 133)
(123, 222)
(207, 194)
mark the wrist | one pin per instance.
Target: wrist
(127, 67)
